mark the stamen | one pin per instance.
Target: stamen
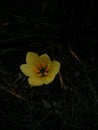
(47, 68)
(36, 70)
(45, 73)
(40, 75)
(43, 65)
(42, 69)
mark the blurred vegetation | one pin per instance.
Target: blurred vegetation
(67, 33)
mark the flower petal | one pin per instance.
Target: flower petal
(48, 79)
(31, 58)
(35, 81)
(27, 69)
(44, 59)
(55, 66)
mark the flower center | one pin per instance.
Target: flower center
(42, 69)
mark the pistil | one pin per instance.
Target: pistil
(42, 69)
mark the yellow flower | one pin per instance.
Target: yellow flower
(39, 69)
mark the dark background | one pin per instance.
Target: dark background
(68, 22)
(55, 27)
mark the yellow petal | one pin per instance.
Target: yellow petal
(35, 81)
(55, 67)
(48, 79)
(31, 58)
(27, 69)
(44, 59)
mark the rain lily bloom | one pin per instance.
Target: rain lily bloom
(39, 69)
